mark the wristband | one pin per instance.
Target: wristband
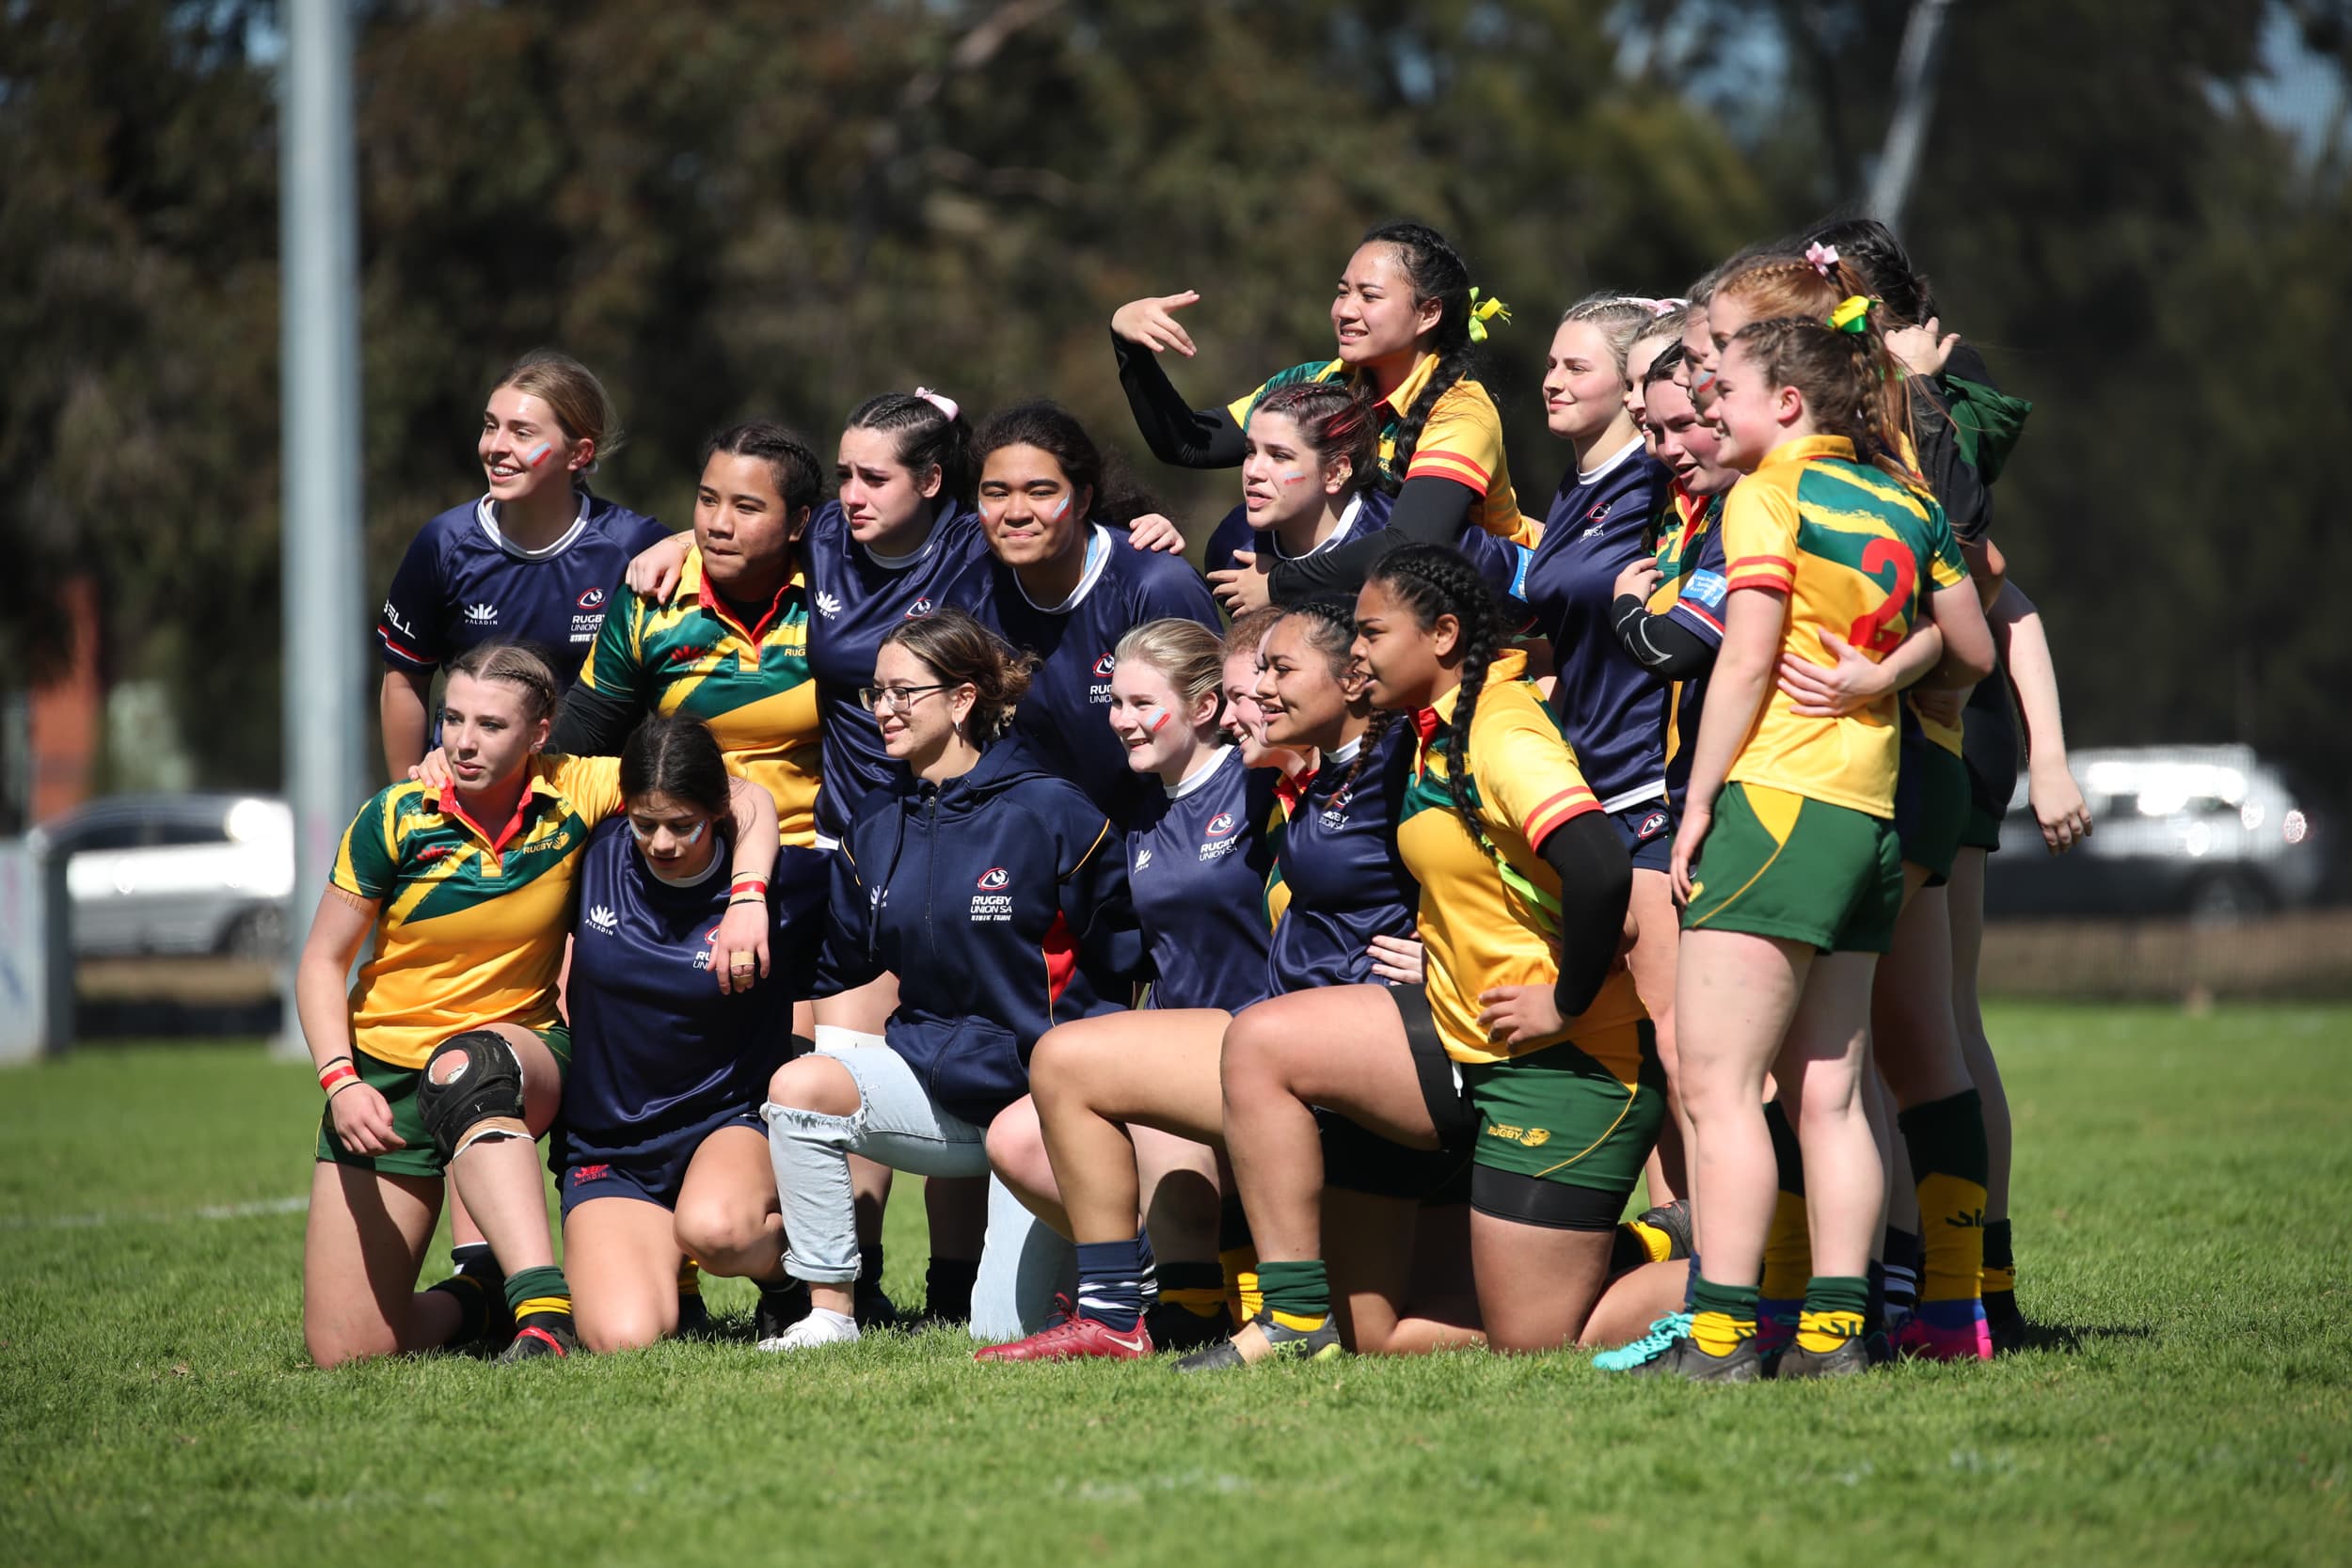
(336, 1073)
(747, 898)
(342, 1087)
(749, 884)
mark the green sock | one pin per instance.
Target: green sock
(1297, 1294)
(539, 1298)
(1835, 1308)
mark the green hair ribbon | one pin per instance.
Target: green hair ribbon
(1482, 311)
(1851, 315)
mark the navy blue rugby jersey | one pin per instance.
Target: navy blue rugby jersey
(1502, 563)
(657, 1050)
(464, 582)
(855, 597)
(1347, 882)
(1066, 716)
(1612, 711)
(1197, 865)
(1691, 558)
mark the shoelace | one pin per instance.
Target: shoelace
(1662, 1333)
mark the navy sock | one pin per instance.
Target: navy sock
(1110, 1281)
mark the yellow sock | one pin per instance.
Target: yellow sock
(1788, 1250)
(1952, 1238)
(1243, 1298)
(690, 1278)
(1203, 1301)
(1655, 1242)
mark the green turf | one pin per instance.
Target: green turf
(2182, 1191)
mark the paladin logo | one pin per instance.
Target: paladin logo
(828, 604)
(592, 599)
(481, 615)
(1143, 857)
(603, 921)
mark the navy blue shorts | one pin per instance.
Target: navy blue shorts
(650, 1175)
(1649, 831)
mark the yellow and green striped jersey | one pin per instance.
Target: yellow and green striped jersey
(1482, 920)
(471, 921)
(1856, 552)
(750, 685)
(1461, 440)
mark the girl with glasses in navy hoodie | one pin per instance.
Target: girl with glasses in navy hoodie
(996, 893)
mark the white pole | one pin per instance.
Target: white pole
(1915, 100)
(324, 597)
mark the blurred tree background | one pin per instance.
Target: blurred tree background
(781, 208)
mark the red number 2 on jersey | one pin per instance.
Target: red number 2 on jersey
(1875, 632)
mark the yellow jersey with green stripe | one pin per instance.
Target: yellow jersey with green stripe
(1461, 440)
(1482, 920)
(750, 685)
(1856, 552)
(471, 921)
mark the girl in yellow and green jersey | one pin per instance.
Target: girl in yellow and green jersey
(1786, 862)
(446, 1059)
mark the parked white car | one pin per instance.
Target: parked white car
(156, 874)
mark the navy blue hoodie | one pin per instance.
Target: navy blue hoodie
(1000, 901)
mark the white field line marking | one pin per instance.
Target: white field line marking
(208, 1212)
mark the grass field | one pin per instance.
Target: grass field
(2184, 1190)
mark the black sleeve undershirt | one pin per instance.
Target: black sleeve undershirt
(1428, 511)
(1659, 643)
(592, 723)
(1179, 435)
(1596, 886)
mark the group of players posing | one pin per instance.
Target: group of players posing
(1480, 867)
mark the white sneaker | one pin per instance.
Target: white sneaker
(820, 1327)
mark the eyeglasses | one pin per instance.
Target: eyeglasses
(901, 699)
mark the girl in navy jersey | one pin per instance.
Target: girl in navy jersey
(664, 1156)
(996, 892)
(1065, 591)
(1611, 709)
(1345, 915)
(532, 559)
(1310, 476)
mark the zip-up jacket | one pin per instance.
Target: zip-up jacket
(1000, 901)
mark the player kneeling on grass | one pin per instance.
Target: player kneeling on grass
(996, 893)
(664, 1156)
(448, 1055)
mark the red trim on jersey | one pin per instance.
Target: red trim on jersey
(1695, 608)
(409, 654)
(452, 806)
(1061, 958)
(1564, 807)
(718, 605)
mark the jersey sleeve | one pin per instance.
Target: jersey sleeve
(1098, 905)
(615, 662)
(1461, 441)
(591, 784)
(643, 535)
(409, 628)
(1525, 772)
(1175, 590)
(1698, 607)
(1760, 537)
(367, 863)
(1945, 568)
(1232, 533)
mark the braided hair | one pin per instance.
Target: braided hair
(1433, 580)
(1330, 627)
(1435, 271)
(1840, 375)
(927, 438)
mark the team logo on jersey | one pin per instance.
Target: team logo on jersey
(992, 904)
(1655, 823)
(710, 944)
(391, 619)
(603, 921)
(1143, 857)
(583, 1175)
(1706, 587)
(432, 851)
(1103, 666)
(1220, 840)
(481, 615)
(828, 604)
(1221, 824)
(687, 654)
(592, 599)
(919, 608)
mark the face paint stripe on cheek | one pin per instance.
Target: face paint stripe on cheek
(1061, 509)
(1160, 723)
(538, 454)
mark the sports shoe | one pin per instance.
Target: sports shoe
(1320, 1343)
(873, 1308)
(1648, 1348)
(1074, 1339)
(1175, 1327)
(1851, 1358)
(537, 1341)
(820, 1327)
(1684, 1360)
(1926, 1341)
(2008, 1325)
(779, 1308)
(1674, 1220)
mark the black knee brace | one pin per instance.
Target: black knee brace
(489, 1085)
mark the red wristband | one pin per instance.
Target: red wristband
(336, 1073)
(749, 884)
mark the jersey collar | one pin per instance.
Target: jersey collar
(1508, 665)
(690, 579)
(1807, 447)
(537, 787)
(1201, 775)
(1098, 560)
(486, 511)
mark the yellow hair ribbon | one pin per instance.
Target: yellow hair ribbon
(1482, 311)
(1851, 315)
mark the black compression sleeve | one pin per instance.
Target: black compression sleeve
(1178, 434)
(592, 724)
(1659, 643)
(1596, 886)
(1427, 512)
